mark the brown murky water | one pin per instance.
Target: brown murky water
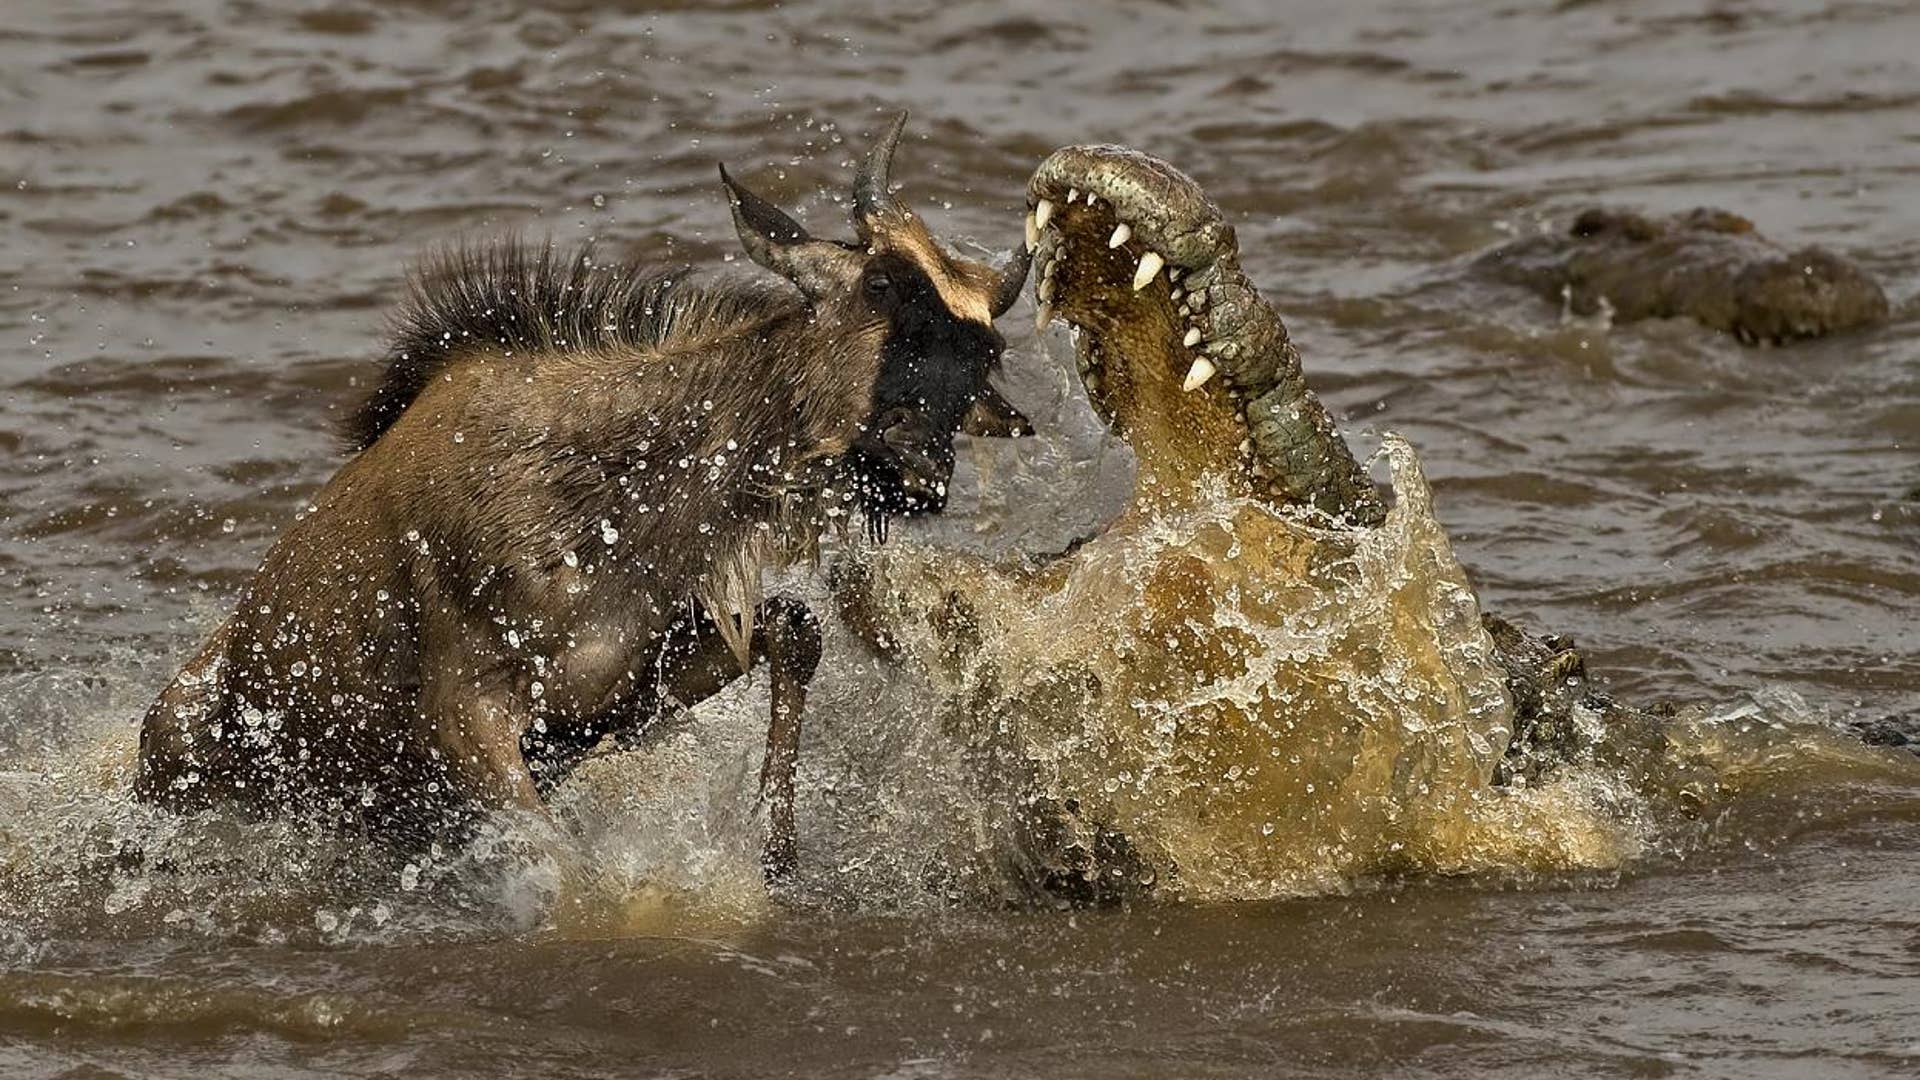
(207, 205)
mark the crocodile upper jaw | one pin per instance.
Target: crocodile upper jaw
(1177, 349)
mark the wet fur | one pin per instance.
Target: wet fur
(532, 300)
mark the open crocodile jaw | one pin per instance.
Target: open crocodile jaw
(1175, 340)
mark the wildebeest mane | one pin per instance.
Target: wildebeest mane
(531, 299)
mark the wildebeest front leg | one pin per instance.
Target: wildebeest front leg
(179, 763)
(694, 663)
(476, 731)
(790, 636)
(472, 715)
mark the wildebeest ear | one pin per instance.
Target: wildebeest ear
(777, 242)
(994, 417)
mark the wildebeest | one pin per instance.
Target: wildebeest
(566, 485)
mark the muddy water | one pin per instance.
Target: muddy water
(206, 206)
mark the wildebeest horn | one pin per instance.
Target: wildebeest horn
(1012, 279)
(780, 244)
(871, 199)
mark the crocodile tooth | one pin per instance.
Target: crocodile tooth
(1192, 338)
(1090, 198)
(1150, 264)
(1042, 213)
(1198, 374)
(1033, 232)
(1073, 195)
(1046, 289)
(1042, 316)
(1176, 294)
(1121, 233)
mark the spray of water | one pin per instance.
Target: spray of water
(1245, 703)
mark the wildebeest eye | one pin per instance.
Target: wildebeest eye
(879, 284)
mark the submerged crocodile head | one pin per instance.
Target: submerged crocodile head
(1708, 265)
(1177, 349)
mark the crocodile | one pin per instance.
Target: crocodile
(1706, 264)
(1266, 676)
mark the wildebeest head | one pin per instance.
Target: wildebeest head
(929, 313)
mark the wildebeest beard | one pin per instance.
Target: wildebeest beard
(933, 366)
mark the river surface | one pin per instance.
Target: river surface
(206, 208)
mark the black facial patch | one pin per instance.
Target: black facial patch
(933, 365)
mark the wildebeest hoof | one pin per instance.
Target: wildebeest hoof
(778, 861)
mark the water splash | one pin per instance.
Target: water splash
(1240, 703)
(1255, 705)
